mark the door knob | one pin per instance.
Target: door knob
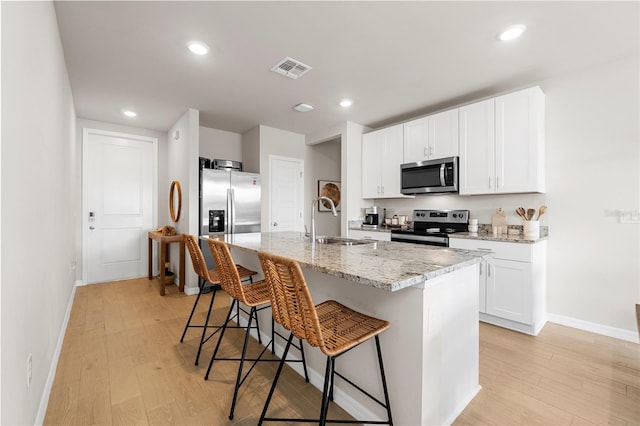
(275, 223)
(92, 227)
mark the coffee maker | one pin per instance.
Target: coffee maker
(371, 218)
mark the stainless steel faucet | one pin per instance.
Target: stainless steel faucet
(313, 214)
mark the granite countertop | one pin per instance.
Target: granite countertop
(484, 233)
(386, 265)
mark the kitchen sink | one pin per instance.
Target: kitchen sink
(342, 241)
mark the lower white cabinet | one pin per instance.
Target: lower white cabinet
(369, 235)
(513, 284)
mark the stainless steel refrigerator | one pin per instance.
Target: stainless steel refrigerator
(229, 204)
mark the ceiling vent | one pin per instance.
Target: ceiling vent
(291, 68)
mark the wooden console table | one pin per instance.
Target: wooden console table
(163, 240)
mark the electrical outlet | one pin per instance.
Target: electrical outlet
(29, 369)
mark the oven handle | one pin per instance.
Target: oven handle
(442, 179)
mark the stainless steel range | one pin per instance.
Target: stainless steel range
(432, 227)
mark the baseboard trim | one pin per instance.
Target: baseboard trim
(44, 401)
(605, 330)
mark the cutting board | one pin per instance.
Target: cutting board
(499, 220)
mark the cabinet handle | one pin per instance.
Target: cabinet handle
(481, 269)
(489, 270)
(483, 249)
(497, 181)
(489, 182)
(425, 152)
(382, 190)
(430, 149)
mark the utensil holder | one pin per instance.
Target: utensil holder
(531, 228)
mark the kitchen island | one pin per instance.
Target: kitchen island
(428, 294)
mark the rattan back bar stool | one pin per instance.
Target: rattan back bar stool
(252, 295)
(331, 326)
(209, 281)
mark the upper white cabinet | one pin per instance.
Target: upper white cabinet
(502, 144)
(434, 136)
(381, 159)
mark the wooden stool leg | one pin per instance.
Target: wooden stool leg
(163, 259)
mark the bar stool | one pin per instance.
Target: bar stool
(251, 295)
(212, 277)
(331, 326)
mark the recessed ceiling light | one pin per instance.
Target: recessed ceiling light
(346, 103)
(512, 32)
(198, 48)
(129, 113)
(303, 107)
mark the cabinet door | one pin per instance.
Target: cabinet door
(416, 140)
(443, 134)
(477, 148)
(520, 142)
(392, 157)
(372, 144)
(509, 290)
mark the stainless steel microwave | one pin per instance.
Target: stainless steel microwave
(430, 177)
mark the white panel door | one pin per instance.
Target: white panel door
(286, 194)
(392, 157)
(372, 144)
(443, 134)
(509, 290)
(416, 140)
(517, 141)
(118, 193)
(477, 148)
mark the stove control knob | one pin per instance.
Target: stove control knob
(455, 215)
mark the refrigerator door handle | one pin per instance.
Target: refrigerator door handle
(232, 215)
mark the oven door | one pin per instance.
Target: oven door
(430, 240)
(433, 176)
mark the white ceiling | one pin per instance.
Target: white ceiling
(394, 59)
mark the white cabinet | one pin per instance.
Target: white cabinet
(381, 159)
(369, 235)
(434, 136)
(502, 144)
(512, 283)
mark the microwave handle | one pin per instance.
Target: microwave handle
(442, 179)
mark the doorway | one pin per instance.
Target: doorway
(286, 183)
(119, 179)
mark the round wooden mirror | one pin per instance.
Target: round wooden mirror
(175, 192)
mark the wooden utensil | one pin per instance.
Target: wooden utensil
(530, 213)
(520, 212)
(542, 210)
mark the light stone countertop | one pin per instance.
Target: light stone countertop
(484, 233)
(386, 265)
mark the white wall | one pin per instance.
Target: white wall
(350, 136)
(182, 165)
(39, 199)
(322, 162)
(220, 144)
(593, 150)
(262, 142)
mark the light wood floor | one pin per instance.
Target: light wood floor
(122, 363)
